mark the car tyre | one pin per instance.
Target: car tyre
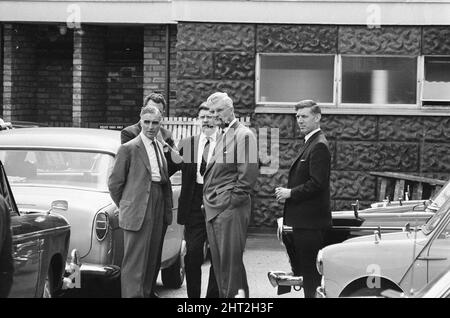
(173, 276)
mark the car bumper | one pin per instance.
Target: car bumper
(97, 281)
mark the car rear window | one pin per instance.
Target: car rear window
(57, 168)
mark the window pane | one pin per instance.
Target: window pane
(437, 79)
(293, 78)
(379, 80)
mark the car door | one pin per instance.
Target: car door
(438, 254)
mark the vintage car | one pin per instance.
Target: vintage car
(381, 216)
(73, 164)
(437, 288)
(40, 247)
(404, 261)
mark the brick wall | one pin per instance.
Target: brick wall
(89, 75)
(1, 70)
(124, 57)
(155, 62)
(19, 73)
(54, 53)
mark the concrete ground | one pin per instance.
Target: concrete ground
(263, 253)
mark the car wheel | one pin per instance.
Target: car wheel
(173, 276)
(48, 285)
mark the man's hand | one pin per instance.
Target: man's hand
(282, 193)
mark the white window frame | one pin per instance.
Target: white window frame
(422, 84)
(291, 104)
(339, 108)
(372, 105)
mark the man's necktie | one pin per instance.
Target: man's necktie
(204, 157)
(162, 171)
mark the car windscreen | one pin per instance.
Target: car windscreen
(57, 168)
(442, 196)
(436, 218)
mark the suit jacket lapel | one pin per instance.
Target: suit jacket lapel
(304, 147)
(219, 145)
(143, 154)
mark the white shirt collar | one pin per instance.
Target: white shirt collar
(213, 136)
(147, 140)
(225, 130)
(311, 133)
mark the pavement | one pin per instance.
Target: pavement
(263, 253)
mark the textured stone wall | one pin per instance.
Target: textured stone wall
(215, 57)
(222, 57)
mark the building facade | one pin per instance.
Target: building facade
(381, 73)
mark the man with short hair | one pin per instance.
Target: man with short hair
(157, 100)
(196, 152)
(307, 197)
(228, 182)
(140, 186)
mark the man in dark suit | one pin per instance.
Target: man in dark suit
(228, 182)
(307, 197)
(6, 261)
(196, 151)
(130, 132)
(139, 185)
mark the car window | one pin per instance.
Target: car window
(55, 167)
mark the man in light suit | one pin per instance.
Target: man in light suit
(228, 182)
(307, 197)
(195, 151)
(130, 132)
(139, 185)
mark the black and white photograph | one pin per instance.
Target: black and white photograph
(205, 151)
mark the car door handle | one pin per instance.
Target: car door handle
(432, 258)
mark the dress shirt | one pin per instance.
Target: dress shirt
(229, 125)
(156, 175)
(311, 133)
(201, 146)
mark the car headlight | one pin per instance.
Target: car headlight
(101, 225)
(319, 263)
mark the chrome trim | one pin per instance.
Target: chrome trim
(319, 262)
(320, 292)
(39, 233)
(288, 229)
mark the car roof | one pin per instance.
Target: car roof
(70, 138)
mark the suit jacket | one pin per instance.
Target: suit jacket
(6, 260)
(130, 132)
(309, 178)
(232, 171)
(188, 150)
(130, 183)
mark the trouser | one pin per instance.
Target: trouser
(143, 248)
(227, 235)
(195, 236)
(305, 245)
